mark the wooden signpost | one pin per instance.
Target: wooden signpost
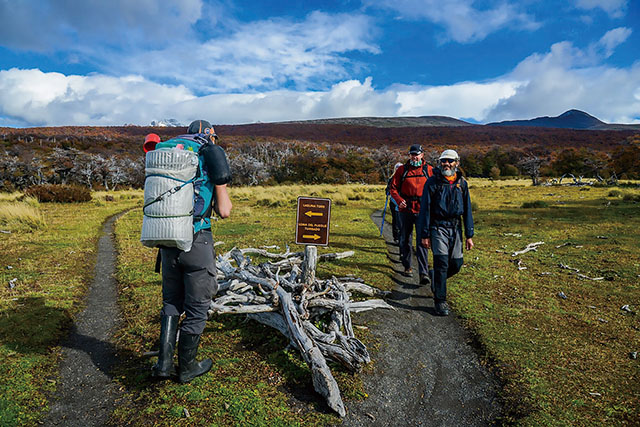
(312, 221)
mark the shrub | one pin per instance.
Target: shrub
(614, 193)
(631, 197)
(535, 204)
(59, 193)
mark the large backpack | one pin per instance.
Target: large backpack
(405, 171)
(178, 191)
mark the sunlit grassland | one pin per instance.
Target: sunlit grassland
(254, 374)
(50, 268)
(21, 215)
(565, 361)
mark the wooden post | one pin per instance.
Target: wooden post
(309, 265)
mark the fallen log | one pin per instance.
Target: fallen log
(314, 315)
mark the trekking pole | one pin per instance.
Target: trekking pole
(384, 213)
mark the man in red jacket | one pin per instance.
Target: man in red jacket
(406, 189)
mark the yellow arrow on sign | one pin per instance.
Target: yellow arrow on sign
(310, 213)
(313, 236)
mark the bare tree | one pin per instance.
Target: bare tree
(530, 165)
(248, 170)
(384, 159)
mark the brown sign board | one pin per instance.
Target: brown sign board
(312, 221)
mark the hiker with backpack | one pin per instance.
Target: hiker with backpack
(445, 205)
(406, 189)
(395, 222)
(186, 181)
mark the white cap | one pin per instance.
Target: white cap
(449, 154)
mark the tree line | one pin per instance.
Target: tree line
(283, 162)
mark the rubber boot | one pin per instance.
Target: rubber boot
(188, 368)
(164, 368)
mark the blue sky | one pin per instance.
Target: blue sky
(92, 62)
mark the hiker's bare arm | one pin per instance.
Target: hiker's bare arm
(222, 205)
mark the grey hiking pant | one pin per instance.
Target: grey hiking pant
(189, 282)
(446, 245)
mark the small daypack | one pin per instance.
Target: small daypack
(177, 197)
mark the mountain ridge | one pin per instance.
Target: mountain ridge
(570, 119)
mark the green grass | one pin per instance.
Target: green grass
(52, 267)
(254, 374)
(565, 361)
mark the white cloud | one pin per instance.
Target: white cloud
(567, 77)
(50, 99)
(612, 39)
(615, 8)
(265, 54)
(463, 22)
(469, 100)
(74, 24)
(546, 83)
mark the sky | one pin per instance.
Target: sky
(116, 62)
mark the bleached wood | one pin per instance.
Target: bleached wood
(530, 247)
(286, 295)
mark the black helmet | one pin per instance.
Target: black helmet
(199, 126)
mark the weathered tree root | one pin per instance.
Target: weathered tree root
(286, 296)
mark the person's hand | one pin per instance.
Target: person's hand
(469, 244)
(403, 204)
(426, 243)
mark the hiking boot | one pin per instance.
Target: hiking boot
(424, 279)
(188, 368)
(164, 368)
(408, 271)
(442, 309)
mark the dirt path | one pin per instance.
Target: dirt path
(425, 372)
(86, 394)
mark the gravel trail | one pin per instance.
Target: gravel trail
(86, 394)
(426, 373)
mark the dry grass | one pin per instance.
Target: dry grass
(24, 215)
(282, 196)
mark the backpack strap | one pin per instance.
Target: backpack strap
(166, 193)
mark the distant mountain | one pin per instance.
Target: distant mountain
(572, 119)
(388, 122)
(170, 123)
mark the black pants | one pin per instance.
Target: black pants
(407, 224)
(395, 222)
(189, 282)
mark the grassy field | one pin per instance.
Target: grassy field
(254, 374)
(47, 254)
(562, 343)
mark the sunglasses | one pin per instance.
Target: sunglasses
(447, 161)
